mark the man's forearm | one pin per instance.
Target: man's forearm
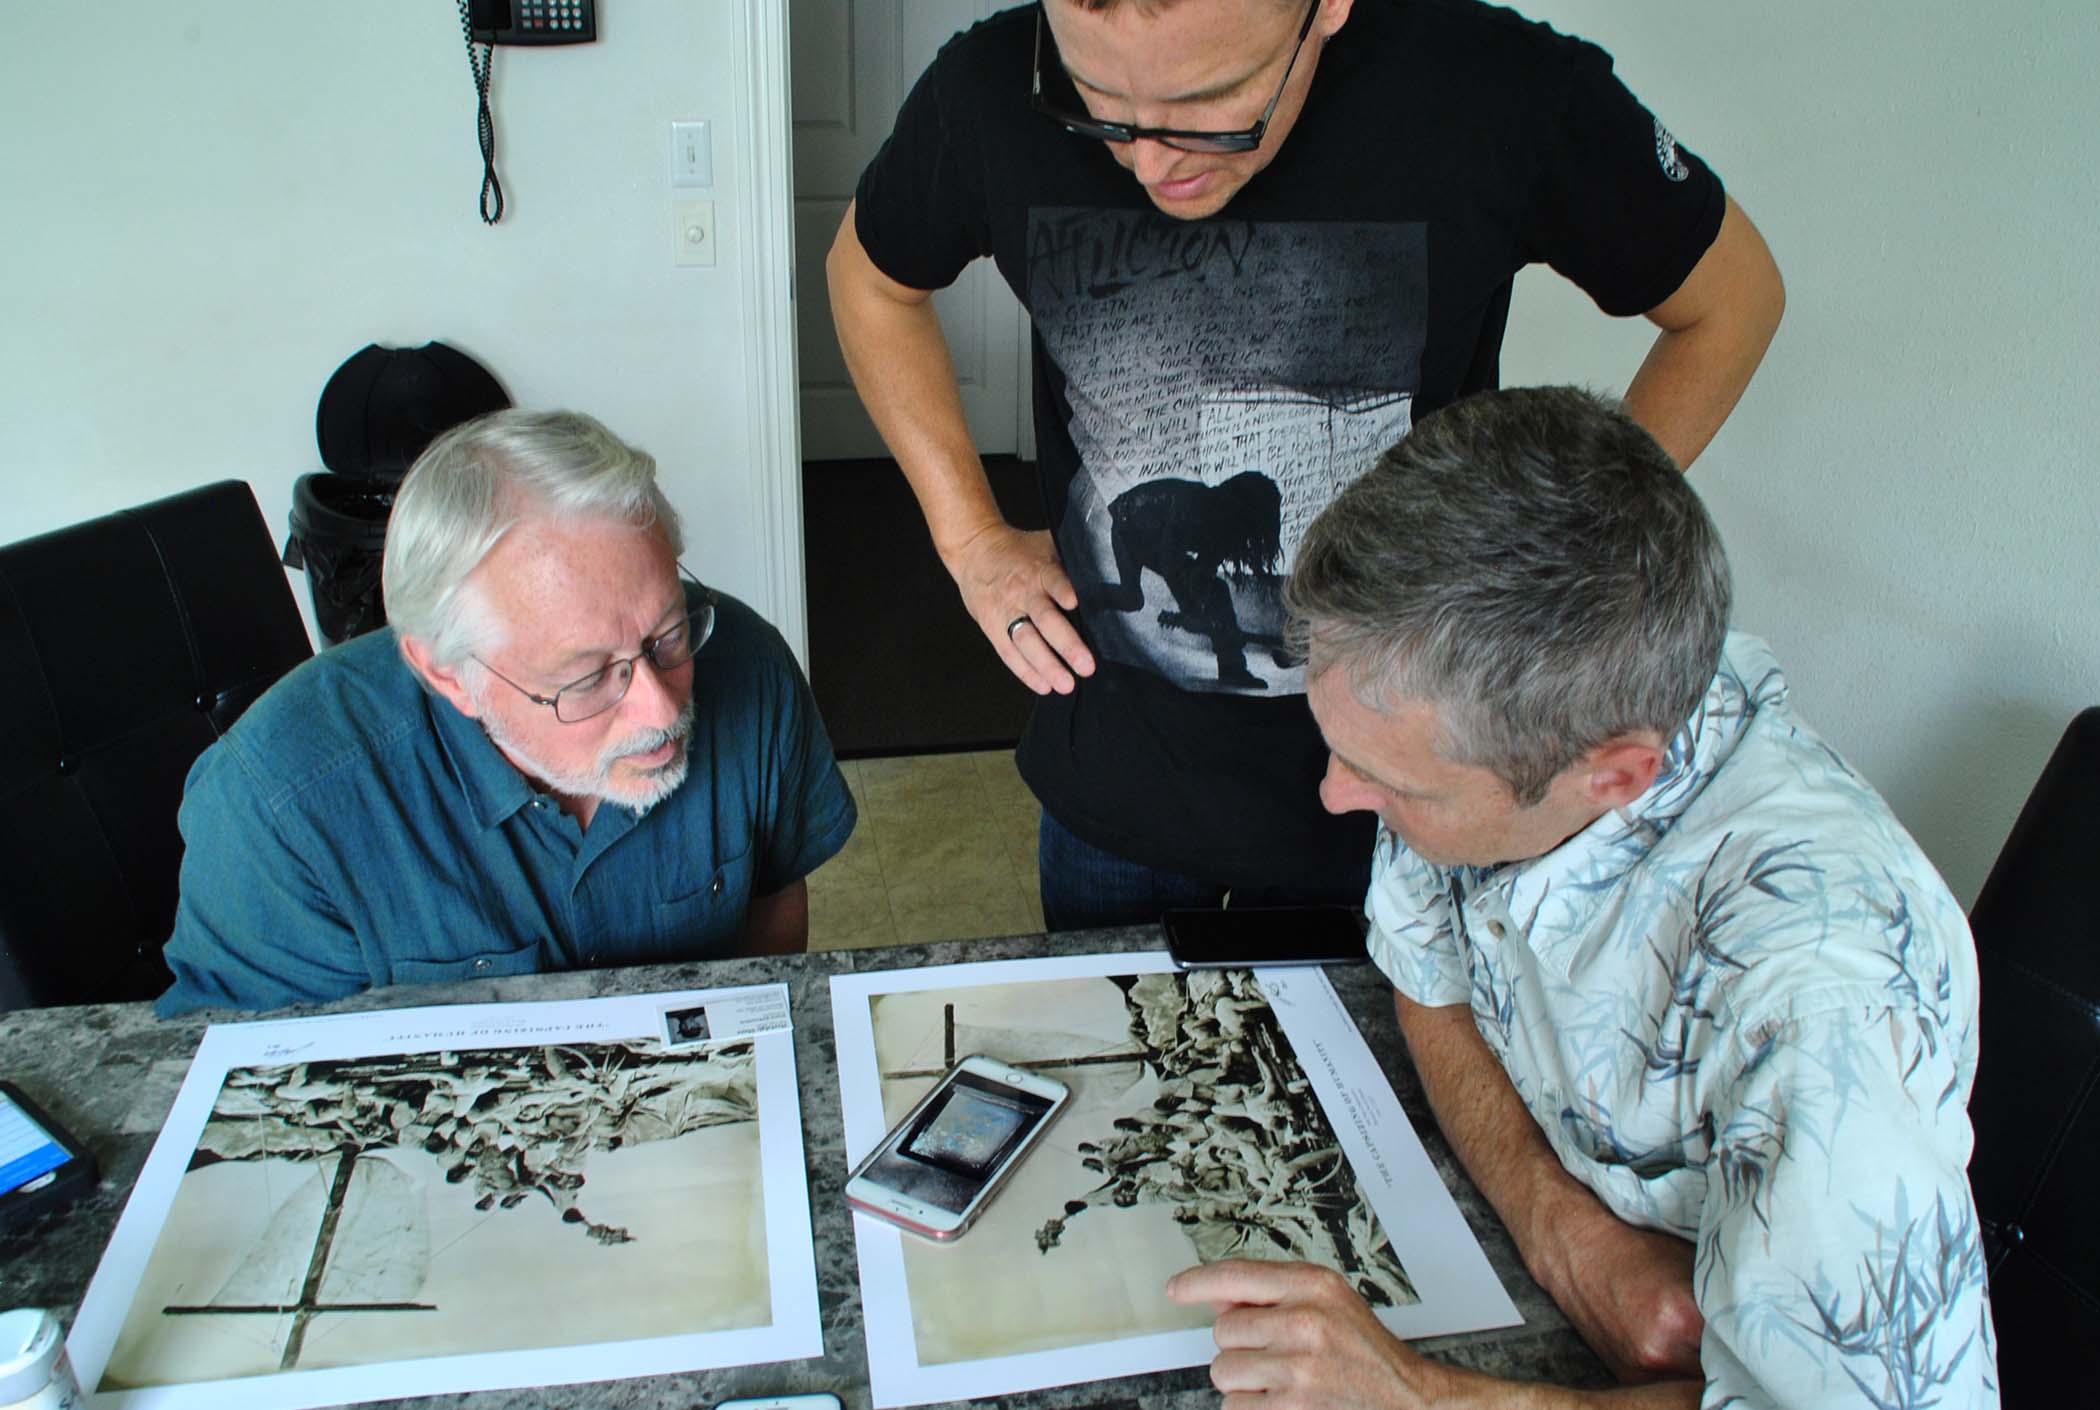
(1493, 1133)
(899, 362)
(778, 924)
(1627, 1291)
(1535, 1395)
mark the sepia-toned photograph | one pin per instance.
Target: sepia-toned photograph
(685, 1027)
(349, 1212)
(1193, 1134)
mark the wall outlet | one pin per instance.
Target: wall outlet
(693, 233)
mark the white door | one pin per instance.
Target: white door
(853, 61)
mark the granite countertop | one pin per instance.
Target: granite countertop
(110, 1073)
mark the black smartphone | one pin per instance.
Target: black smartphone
(1249, 937)
(41, 1166)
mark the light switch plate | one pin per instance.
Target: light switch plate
(692, 156)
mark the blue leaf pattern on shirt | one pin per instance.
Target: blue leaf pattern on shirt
(1890, 1335)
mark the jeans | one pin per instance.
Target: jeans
(1085, 888)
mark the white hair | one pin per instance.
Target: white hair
(479, 480)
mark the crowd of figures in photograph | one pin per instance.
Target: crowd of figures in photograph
(1235, 1143)
(513, 1122)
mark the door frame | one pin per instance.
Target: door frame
(766, 233)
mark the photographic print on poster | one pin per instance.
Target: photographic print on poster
(685, 1027)
(1193, 1134)
(359, 1211)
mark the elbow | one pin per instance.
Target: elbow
(1771, 301)
(836, 258)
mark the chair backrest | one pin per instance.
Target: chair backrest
(2036, 1170)
(127, 645)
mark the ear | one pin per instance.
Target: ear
(446, 681)
(1620, 770)
(1333, 15)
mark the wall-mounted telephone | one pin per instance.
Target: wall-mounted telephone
(488, 23)
(532, 21)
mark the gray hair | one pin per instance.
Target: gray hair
(479, 480)
(1532, 564)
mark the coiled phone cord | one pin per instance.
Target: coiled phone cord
(481, 64)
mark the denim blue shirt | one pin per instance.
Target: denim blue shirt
(355, 830)
(1743, 1011)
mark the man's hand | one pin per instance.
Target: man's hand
(1293, 1336)
(1628, 1292)
(1005, 574)
(899, 360)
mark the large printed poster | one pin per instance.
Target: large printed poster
(1214, 1114)
(414, 1201)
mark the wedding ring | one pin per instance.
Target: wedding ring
(1024, 617)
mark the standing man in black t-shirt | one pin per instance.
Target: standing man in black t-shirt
(1256, 239)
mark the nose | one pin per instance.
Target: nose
(1342, 792)
(1153, 162)
(655, 697)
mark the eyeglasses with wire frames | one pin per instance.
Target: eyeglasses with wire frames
(594, 694)
(1084, 124)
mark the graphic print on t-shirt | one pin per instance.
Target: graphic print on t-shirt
(1226, 380)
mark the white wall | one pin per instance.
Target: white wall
(207, 205)
(205, 209)
(1909, 491)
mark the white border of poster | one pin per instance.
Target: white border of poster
(1458, 1289)
(794, 1332)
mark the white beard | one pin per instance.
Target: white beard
(639, 796)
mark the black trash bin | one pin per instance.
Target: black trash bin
(377, 413)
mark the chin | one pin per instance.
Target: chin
(1194, 208)
(651, 788)
(1434, 855)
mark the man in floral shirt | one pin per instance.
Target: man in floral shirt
(1693, 1009)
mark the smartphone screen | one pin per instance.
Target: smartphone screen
(1253, 936)
(937, 1167)
(27, 1151)
(944, 1156)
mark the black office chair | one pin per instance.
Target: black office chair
(2036, 1170)
(127, 644)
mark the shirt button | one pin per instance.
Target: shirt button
(716, 889)
(1497, 929)
(480, 965)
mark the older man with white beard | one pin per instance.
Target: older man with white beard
(429, 802)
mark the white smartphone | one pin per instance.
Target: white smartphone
(816, 1400)
(939, 1167)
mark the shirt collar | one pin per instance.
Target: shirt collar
(493, 788)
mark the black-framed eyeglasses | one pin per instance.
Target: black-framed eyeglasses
(1079, 121)
(594, 694)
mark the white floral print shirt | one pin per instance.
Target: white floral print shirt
(1744, 1012)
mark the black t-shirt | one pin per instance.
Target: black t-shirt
(1204, 388)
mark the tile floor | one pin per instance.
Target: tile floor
(945, 850)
